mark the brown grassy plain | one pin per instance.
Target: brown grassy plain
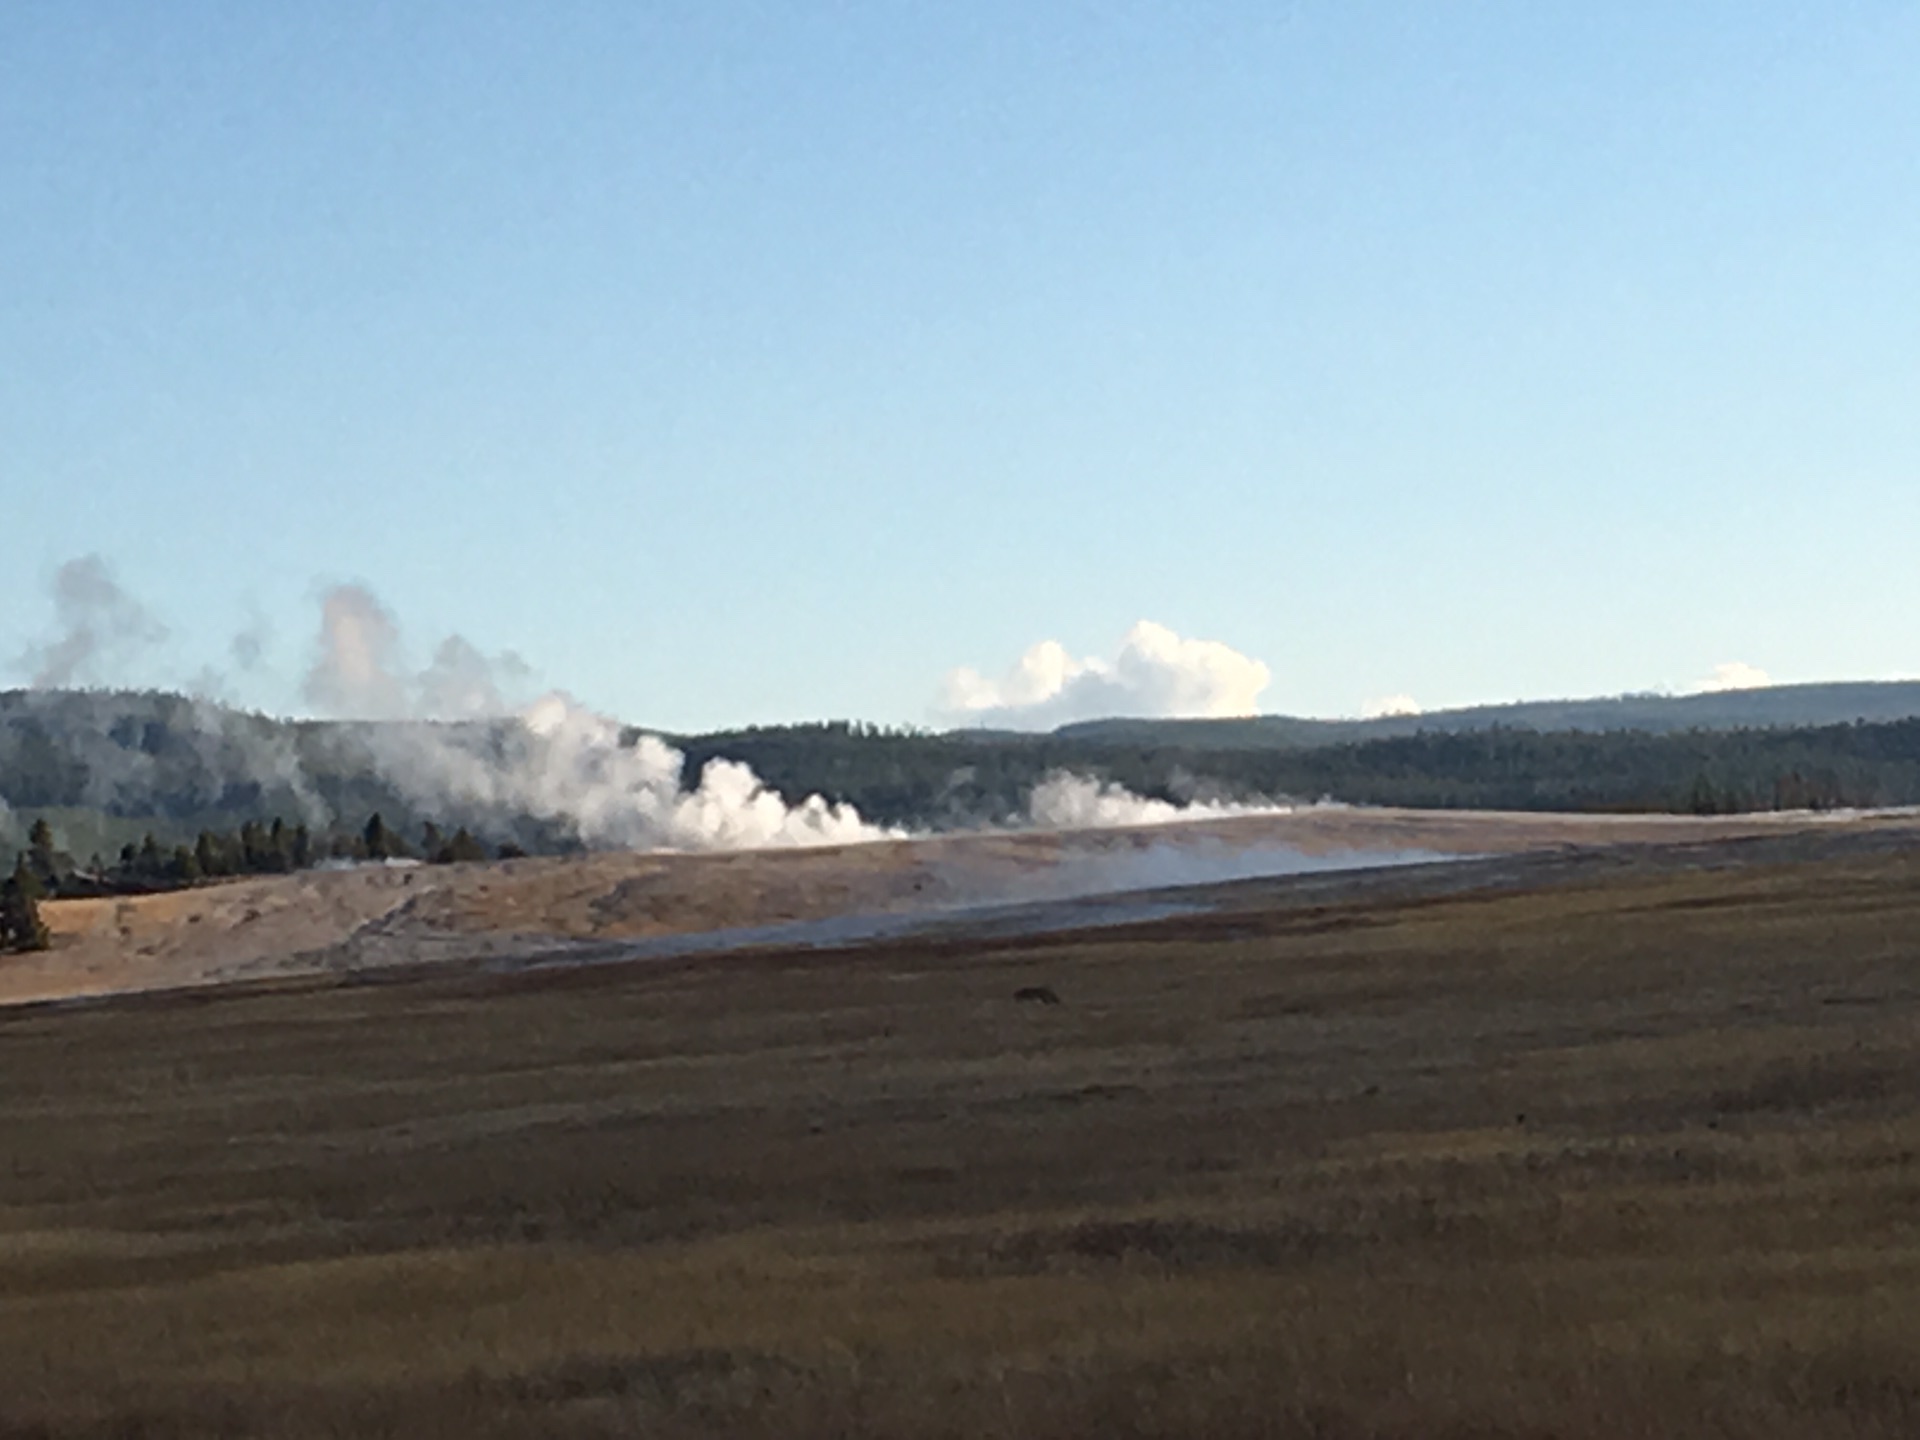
(1634, 1150)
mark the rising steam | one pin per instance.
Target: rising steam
(1065, 801)
(359, 670)
(96, 624)
(458, 740)
(560, 763)
(554, 762)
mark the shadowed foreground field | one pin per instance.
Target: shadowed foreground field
(1635, 1155)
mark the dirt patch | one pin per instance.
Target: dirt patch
(375, 916)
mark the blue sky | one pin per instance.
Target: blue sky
(751, 362)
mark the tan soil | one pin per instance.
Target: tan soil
(380, 916)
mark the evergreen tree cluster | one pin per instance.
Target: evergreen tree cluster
(44, 871)
(917, 779)
(117, 764)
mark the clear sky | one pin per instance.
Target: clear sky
(734, 362)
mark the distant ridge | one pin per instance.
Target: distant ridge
(107, 769)
(1766, 707)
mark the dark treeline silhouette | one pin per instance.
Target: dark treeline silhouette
(910, 778)
(45, 871)
(203, 782)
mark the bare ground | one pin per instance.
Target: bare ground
(372, 916)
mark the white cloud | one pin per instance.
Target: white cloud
(1155, 674)
(1733, 675)
(1387, 705)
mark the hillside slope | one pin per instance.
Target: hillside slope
(1769, 707)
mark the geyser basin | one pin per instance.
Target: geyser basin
(589, 906)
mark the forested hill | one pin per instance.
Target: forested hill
(1774, 706)
(108, 770)
(906, 778)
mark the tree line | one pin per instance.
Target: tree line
(914, 779)
(45, 871)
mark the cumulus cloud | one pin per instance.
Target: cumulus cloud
(1733, 675)
(96, 624)
(1156, 674)
(1389, 705)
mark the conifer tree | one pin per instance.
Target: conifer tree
(21, 927)
(379, 839)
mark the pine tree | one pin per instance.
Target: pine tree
(463, 847)
(51, 865)
(253, 849)
(379, 839)
(21, 927)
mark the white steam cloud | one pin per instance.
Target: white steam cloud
(460, 744)
(1156, 674)
(555, 762)
(97, 623)
(563, 764)
(1065, 801)
(1733, 675)
(359, 673)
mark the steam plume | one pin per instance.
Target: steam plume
(460, 747)
(560, 763)
(359, 671)
(356, 673)
(96, 621)
(555, 763)
(1065, 801)
(1156, 673)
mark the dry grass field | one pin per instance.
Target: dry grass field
(1633, 1150)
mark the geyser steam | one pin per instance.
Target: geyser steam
(1065, 801)
(96, 621)
(555, 762)
(561, 763)
(458, 741)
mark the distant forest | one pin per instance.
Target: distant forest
(156, 782)
(45, 870)
(915, 779)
